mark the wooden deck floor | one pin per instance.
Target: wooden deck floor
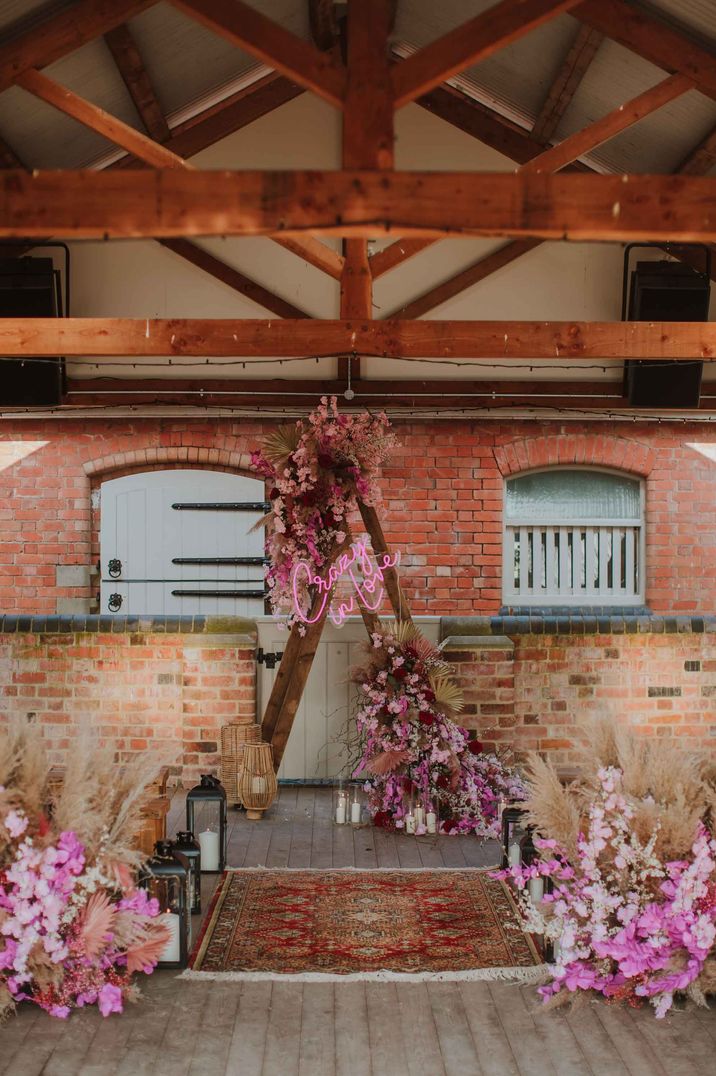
(352, 1029)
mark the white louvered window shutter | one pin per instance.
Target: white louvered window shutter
(573, 536)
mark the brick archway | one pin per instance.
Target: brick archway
(595, 450)
(155, 457)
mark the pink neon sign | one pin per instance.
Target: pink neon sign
(369, 590)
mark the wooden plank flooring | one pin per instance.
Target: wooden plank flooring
(352, 1029)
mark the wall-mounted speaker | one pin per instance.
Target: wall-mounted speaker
(665, 291)
(30, 288)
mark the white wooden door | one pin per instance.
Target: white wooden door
(180, 544)
(317, 747)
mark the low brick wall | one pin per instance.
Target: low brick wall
(165, 685)
(538, 688)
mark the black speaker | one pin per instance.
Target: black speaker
(666, 291)
(30, 288)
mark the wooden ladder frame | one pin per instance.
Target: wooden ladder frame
(300, 650)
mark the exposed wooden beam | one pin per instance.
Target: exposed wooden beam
(652, 39)
(437, 393)
(701, 159)
(482, 123)
(234, 279)
(395, 254)
(178, 202)
(367, 141)
(466, 278)
(324, 24)
(470, 43)
(111, 128)
(576, 64)
(130, 65)
(223, 119)
(61, 34)
(368, 112)
(314, 252)
(289, 338)
(248, 29)
(8, 156)
(594, 135)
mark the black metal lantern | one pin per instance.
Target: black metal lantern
(511, 819)
(189, 847)
(167, 879)
(206, 817)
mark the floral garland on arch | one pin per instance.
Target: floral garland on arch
(316, 468)
(73, 927)
(413, 749)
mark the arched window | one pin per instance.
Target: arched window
(573, 536)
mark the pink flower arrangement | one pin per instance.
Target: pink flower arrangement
(315, 470)
(69, 935)
(626, 924)
(413, 748)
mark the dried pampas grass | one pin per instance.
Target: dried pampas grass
(670, 790)
(99, 799)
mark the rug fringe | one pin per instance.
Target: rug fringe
(538, 973)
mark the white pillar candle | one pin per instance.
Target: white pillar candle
(410, 823)
(171, 953)
(419, 816)
(355, 812)
(514, 854)
(258, 785)
(431, 821)
(341, 808)
(536, 889)
(209, 844)
(556, 951)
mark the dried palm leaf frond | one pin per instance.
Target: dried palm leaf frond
(448, 694)
(403, 631)
(427, 651)
(387, 762)
(280, 443)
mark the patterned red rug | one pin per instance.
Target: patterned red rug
(372, 924)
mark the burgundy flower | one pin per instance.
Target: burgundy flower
(325, 460)
(382, 819)
(443, 781)
(429, 694)
(400, 673)
(308, 498)
(274, 494)
(449, 824)
(426, 718)
(475, 747)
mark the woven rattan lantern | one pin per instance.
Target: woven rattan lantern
(233, 741)
(257, 780)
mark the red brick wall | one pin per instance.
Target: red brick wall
(541, 694)
(168, 694)
(443, 498)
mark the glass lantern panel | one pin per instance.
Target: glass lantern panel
(167, 890)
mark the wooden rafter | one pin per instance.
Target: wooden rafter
(652, 39)
(389, 257)
(179, 202)
(324, 24)
(225, 118)
(233, 279)
(314, 252)
(469, 43)
(8, 156)
(501, 341)
(466, 278)
(701, 159)
(130, 65)
(248, 29)
(595, 134)
(61, 34)
(569, 77)
(97, 119)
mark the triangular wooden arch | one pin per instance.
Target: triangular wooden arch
(292, 674)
